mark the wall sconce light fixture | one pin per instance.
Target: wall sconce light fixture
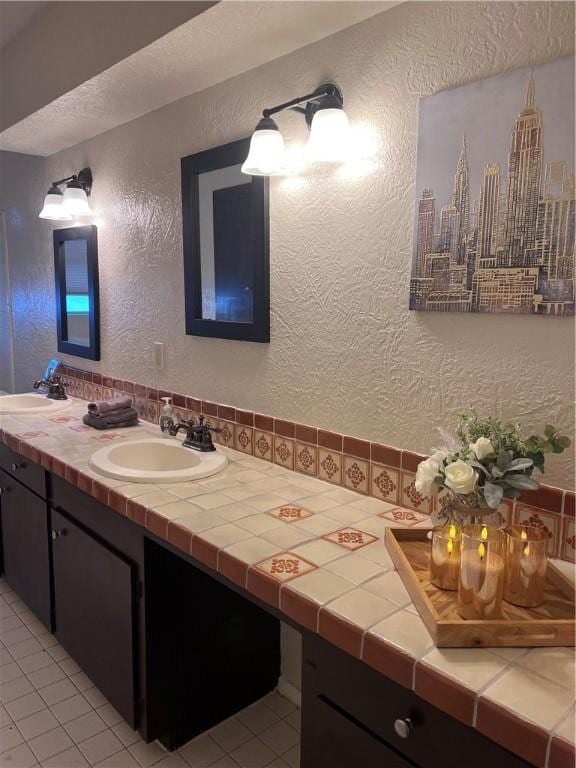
(74, 201)
(329, 133)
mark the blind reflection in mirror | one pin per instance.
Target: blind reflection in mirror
(77, 294)
(226, 245)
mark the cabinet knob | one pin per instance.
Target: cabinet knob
(2, 490)
(403, 727)
(56, 534)
(16, 467)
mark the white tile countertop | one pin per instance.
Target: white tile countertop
(317, 554)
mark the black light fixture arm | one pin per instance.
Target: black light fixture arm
(81, 179)
(311, 99)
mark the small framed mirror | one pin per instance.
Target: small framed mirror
(77, 300)
(226, 246)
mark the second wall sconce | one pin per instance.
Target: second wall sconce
(329, 133)
(74, 201)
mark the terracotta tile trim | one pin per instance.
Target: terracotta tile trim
(263, 586)
(300, 608)
(519, 736)
(340, 632)
(387, 659)
(179, 536)
(233, 569)
(377, 456)
(445, 693)
(561, 754)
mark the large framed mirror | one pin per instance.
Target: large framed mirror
(77, 299)
(225, 218)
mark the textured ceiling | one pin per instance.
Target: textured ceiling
(228, 39)
(14, 15)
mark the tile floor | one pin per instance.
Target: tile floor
(51, 715)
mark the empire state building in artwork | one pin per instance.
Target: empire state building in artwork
(507, 246)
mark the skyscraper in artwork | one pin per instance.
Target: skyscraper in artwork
(525, 161)
(488, 216)
(461, 198)
(425, 234)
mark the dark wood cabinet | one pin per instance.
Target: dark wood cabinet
(94, 596)
(350, 713)
(26, 545)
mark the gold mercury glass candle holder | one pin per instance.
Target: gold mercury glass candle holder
(445, 556)
(482, 572)
(526, 566)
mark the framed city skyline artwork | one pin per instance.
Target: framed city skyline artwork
(495, 211)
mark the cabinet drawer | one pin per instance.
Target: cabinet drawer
(31, 475)
(377, 702)
(338, 742)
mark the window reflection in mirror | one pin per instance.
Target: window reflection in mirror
(77, 293)
(226, 263)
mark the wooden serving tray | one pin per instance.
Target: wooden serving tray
(552, 623)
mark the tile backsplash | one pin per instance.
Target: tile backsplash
(372, 469)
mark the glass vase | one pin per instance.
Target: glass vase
(445, 556)
(482, 572)
(526, 566)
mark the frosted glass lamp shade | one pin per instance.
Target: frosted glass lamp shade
(76, 201)
(266, 155)
(329, 140)
(53, 208)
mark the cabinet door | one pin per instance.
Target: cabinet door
(333, 740)
(25, 545)
(94, 606)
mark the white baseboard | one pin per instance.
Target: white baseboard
(289, 691)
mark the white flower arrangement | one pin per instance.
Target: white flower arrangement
(488, 462)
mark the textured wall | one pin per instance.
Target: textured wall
(345, 353)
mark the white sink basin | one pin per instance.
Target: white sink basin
(31, 403)
(156, 461)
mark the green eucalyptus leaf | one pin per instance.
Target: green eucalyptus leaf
(518, 464)
(493, 494)
(521, 481)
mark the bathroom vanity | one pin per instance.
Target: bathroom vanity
(176, 646)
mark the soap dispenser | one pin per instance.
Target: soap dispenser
(167, 416)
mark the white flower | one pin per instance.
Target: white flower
(460, 477)
(427, 471)
(482, 448)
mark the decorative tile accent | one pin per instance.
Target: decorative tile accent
(330, 466)
(356, 474)
(547, 521)
(350, 538)
(412, 498)
(284, 452)
(62, 419)
(243, 438)
(285, 566)
(263, 442)
(403, 516)
(289, 513)
(385, 483)
(153, 412)
(80, 428)
(568, 544)
(226, 436)
(29, 435)
(306, 459)
(108, 437)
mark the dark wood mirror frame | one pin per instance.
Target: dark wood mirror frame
(61, 236)
(192, 166)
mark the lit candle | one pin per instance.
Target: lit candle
(481, 572)
(445, 557)
(526, 566)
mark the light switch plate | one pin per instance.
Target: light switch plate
(158, 355)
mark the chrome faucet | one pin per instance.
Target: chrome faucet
(198, 436)
(51, 383)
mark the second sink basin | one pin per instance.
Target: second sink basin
(156, 461)
(30, 403)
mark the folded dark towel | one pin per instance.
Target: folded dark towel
(103, 406)
(113, 413)
(115, 422)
